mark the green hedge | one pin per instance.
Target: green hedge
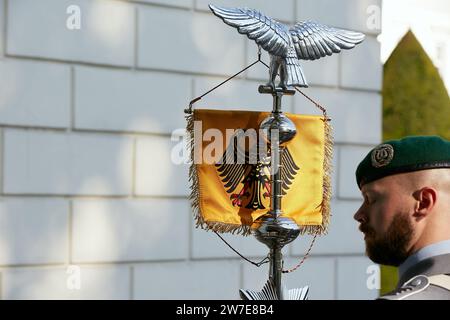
(415, 101)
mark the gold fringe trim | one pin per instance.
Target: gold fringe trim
(221, 227)
(326, 185)
(327, 189)
(196, 192)
(245, 230)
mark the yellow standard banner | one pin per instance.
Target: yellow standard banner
(230, 171)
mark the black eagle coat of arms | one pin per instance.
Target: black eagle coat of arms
(245, 172)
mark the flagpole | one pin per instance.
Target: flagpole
(273, 229)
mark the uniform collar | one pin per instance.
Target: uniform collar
(435, 249)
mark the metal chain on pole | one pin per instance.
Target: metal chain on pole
(304, 257)
(258, 264)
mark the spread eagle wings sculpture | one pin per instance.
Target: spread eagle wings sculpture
(307, 40)
(246, 174)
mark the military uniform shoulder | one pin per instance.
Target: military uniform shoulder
(422, 287)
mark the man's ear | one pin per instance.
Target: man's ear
(426, 200)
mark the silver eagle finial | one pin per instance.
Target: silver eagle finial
(306, 40)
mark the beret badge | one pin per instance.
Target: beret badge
(382, 155)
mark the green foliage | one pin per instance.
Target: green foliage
(415, 101)
(389, 279)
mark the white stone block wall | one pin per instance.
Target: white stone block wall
(86, 117)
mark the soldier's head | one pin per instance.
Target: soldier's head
(406, 188)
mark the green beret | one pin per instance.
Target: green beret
(405, 155)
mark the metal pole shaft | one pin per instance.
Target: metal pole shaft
(276, 257)
(273, 228)
(276, 183)
(277, 102)
(275, 179)
(275, 270)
